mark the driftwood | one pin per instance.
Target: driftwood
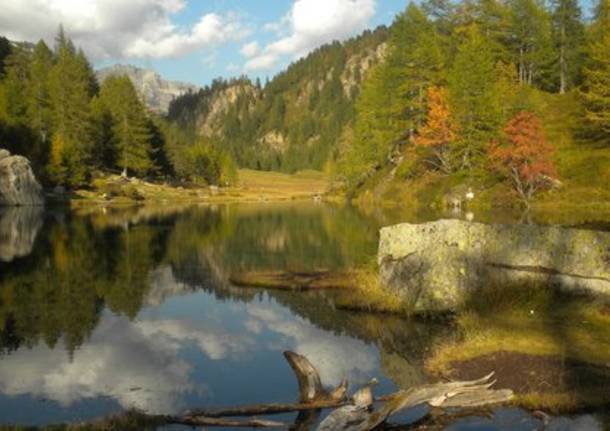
(355, 413)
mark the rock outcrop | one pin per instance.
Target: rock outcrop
(438, 266)
(18, 185)
(156, 92)
(19, 227)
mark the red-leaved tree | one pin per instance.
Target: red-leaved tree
(439, 131)
(524, 156)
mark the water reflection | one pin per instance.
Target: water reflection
(115, 310)
(108, 310)
(19, 227)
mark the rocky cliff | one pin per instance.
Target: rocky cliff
(18, 185)
(297, 119)
(156, 92)
(438, 266)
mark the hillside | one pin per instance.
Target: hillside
(295, 121)
(401, 190)
(156, 92)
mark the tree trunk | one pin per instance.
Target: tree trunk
(562, 62)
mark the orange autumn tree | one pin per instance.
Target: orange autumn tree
(524, 156)
(439, 130)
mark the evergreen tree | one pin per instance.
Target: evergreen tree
(530, 39)
(416, 61)
(15, 131)
(38, 103)
(129, 124)
(596, 87)
(5, 50)
(601, 21)
(104, 152)
(15, 84)
(69, 89)
(473, 97)
(568, 33)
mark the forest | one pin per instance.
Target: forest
(513, 92)
(54, 112)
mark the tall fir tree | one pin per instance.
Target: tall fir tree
(473, 97)
(70, 94)
(38, 102)
(595, 89)
(530, 39)
(568, 34)
(15, 83)
(129, 124)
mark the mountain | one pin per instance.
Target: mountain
(297, 119)
(156, 92)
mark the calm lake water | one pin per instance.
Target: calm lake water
(121, 309)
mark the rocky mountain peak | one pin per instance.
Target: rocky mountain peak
(156, 92)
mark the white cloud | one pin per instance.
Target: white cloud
(335, 356)
(136, 370)
(311, 23)
(136, 364)
(250, 49)
(116, 29)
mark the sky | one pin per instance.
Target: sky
(196, 40)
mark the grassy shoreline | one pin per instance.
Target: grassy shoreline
(253, 186)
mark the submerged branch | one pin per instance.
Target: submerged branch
(267, 409)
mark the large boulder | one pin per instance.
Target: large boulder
(438, 266)
(18, 185)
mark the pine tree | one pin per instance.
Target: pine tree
(568, 33)
(596, 87)
(601, 21)
(530, 39)
(473, 97)
(69, 89)
(38, 103)
(15, 84)
(5, 50)
(415, 62)
(129, 124)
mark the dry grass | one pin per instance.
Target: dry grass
(253, 186)
(369, 295)
(265, 185)
(579, 331)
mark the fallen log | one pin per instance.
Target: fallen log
(290, 280)
(266, 409)
(222, 422)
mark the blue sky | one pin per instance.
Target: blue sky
(225, 60)
(196, 40)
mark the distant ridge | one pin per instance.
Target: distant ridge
(155, 91)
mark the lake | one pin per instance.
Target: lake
(110, 310)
